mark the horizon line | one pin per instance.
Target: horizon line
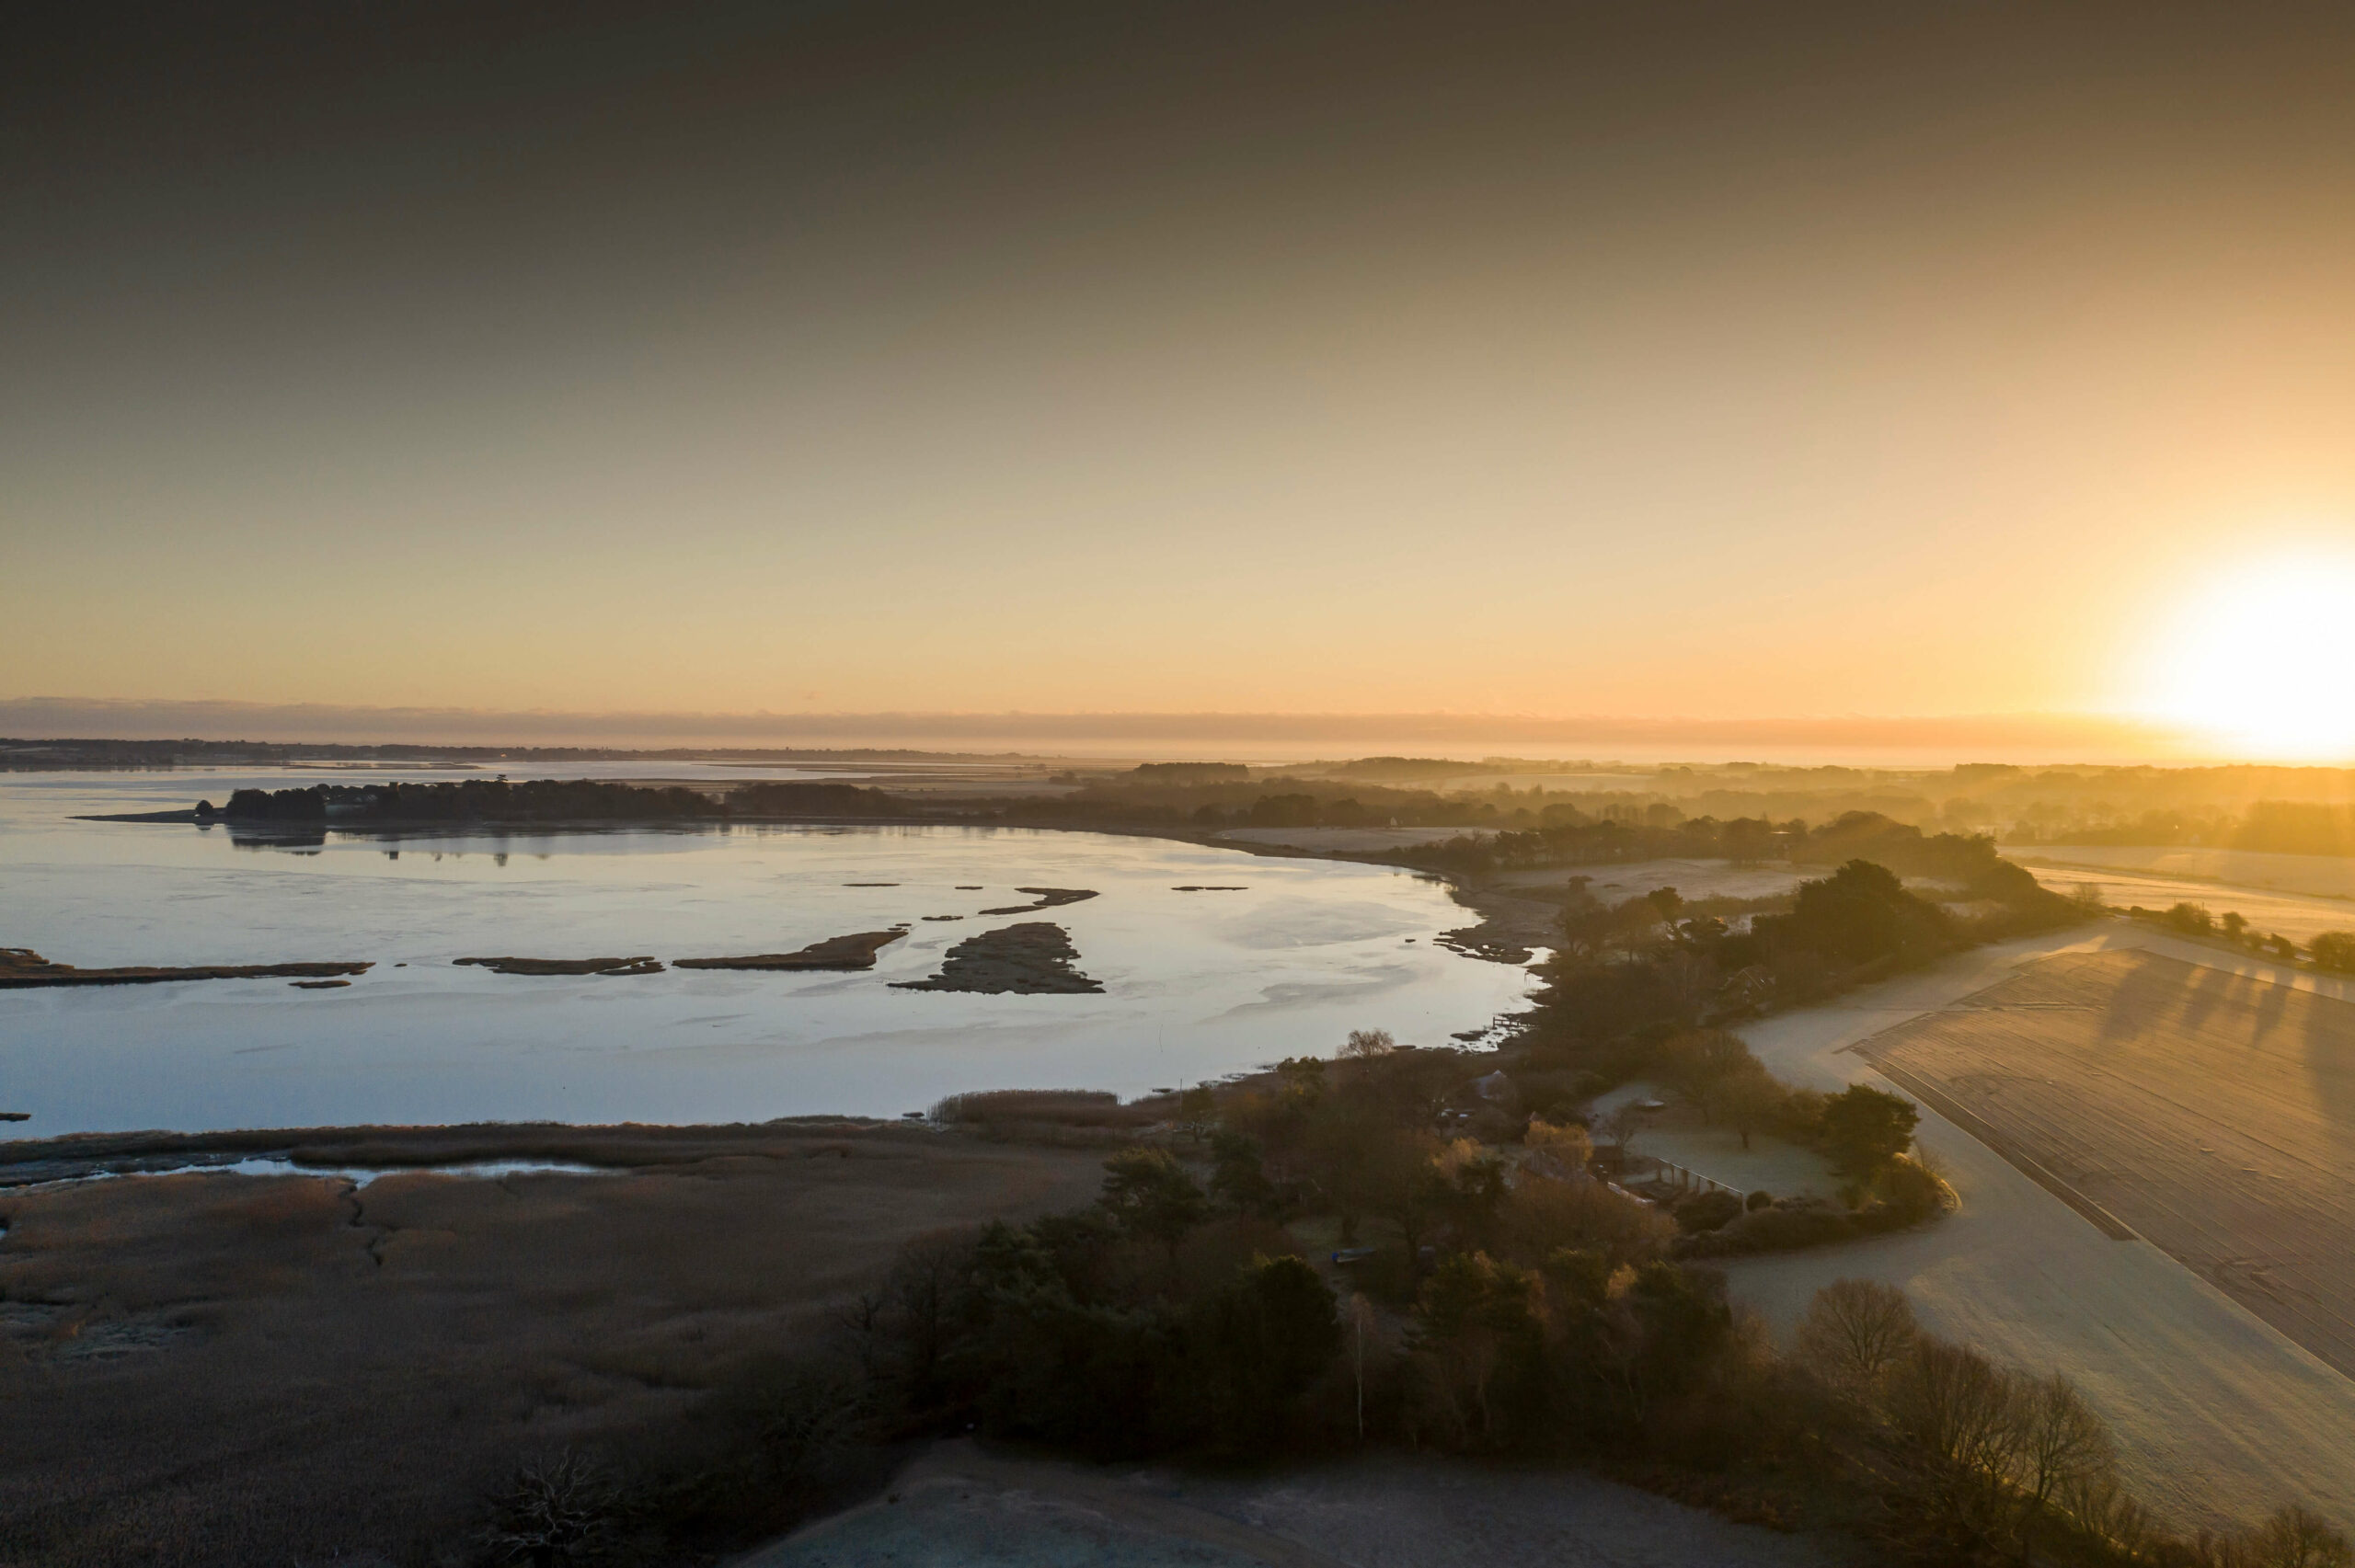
(2053, 737)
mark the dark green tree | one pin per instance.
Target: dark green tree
(1866, 1128)
(1239, 1179)
(1256, 1345)
(1148, 1194)
(1858, 913)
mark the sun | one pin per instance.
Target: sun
(2261, 660)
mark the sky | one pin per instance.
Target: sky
(1711, 363)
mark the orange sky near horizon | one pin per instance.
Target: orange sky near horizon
(1476, 360)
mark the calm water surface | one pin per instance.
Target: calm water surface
(1196, 984)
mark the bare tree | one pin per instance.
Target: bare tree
(1620, 1125)
(2292, 1538)
(1365, 1043)
(1855, 1331)
(552, 1512)
(2064, 1445)
(2102, 1505)
(1964, 1416)
(1746, 1099)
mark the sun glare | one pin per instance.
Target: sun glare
(2262, 661)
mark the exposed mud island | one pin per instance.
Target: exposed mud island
(22, 969)
(1032, 959)
(639, 966)
(1046, 899)
(856, 951)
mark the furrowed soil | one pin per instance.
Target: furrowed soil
(217, 1369)
(2211, 1113)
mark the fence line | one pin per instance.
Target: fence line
(1683, 1180)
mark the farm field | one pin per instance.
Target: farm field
(2215, 1410)
(2316, 875)
(2299, 896)
(2207, 1111)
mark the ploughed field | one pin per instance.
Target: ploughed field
(2211, 1113)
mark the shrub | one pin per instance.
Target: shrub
(1707, 1211)
(1912, 1193)
(1786, 1227)
(2334, 950)
(2192, 920)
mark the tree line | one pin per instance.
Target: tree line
(2277, 827)
(2332, 950)
(1531, 1313)
(547, 800)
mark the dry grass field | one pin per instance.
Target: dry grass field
(225, 1369)
(2211, 1113)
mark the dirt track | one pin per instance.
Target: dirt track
(2211, 1112)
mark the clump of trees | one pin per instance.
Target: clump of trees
(1993, 1462)
(1174, 1317)
(2331, 950)
(2277, 827)
(549, 800)
(1626, 980)
(1301, 1263)
(1205, 795)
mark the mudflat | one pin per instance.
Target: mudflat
(22, 969)
(2211, 1113)
(1035, 957)
(214, 1369)
(856, 951)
